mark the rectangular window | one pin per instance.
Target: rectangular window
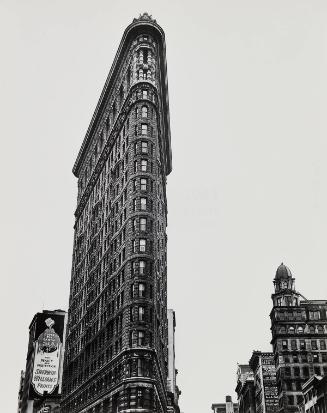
(144, 165)
(293, 345)
(322, 345)
(142, 245)
(144, 147)
(144, 94)
(140, 338)
(141, 313)
(141, 290)
(284, 344)
(302, 344)
(144, 129)
(143, 224)
(143, 204)
(134, 267)
(140, 368)
(314, 345)
(144, 182)
(142, 267)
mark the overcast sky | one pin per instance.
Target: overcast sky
(248, 101)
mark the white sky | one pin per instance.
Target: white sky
(248, 101)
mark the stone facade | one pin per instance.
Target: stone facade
(245, 389)
(116, 356)
(314, 395)
(299, 339)
(265, 385)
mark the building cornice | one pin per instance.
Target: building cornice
(144, 25)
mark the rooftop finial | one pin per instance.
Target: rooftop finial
(145, 16)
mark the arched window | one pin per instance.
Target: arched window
(300, 330)
(141, 74)
(282, 330)
(148, 74)
(144, 111)
(320, 329)
(312, 329)
(291, 330)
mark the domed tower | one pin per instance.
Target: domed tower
(299, 339)
(284, 283)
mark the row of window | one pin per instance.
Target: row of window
(302, 344)
(301, 329)
(296, 371)
(305, 358)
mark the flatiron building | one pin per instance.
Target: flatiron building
(116, 357)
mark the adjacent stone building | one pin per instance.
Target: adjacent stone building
(117, 343)
(245, 389)
(314, 395)
(299, 339)
(227, 407)
(265, 386)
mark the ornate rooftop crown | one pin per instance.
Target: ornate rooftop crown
(145, 17)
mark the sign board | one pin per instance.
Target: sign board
(47, 353)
